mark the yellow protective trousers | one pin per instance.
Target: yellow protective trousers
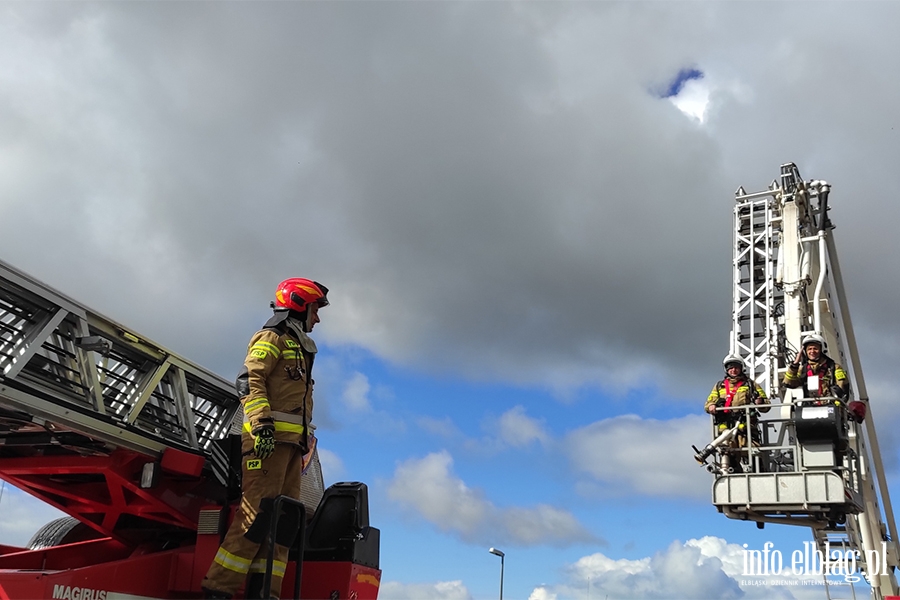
(237, 556)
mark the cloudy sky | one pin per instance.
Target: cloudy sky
(523, 211)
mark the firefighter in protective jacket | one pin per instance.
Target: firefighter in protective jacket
(822, 377)
(275, 386)
(830, 378)
(736, 389)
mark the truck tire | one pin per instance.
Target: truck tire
(64, 530)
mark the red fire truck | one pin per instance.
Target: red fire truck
(140, 448)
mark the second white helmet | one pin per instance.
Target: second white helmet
(813, 338)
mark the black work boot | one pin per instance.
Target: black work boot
(208, 593)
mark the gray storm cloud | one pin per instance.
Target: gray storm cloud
(489, 189)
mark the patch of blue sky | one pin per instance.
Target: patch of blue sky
(466, 402)
(410, 554)
(638, 527)
(436, 414)
(414, 556)
(462, 417)
(674, 87)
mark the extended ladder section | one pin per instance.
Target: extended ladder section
(810, 464)
(66, 371)
(84, 401)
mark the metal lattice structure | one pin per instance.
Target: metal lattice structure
(72, 378)
(757, 299)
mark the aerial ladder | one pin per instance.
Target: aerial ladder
(140, 447)
(814, 464)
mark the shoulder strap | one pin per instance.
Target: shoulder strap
(754, 394)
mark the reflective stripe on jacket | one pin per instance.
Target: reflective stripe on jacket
(740, 397)
(830, 373)
(276, 384)
(283, 422)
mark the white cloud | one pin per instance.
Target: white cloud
(541, 593)
(646, 456)
(708, 568)
(542, 524)
(442, 590)
(332, 465)
(679, 571)
(356, 393)
(518, 429)
(693, 98)
(513, 429)
(428, 488)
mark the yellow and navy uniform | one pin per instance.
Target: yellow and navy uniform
(276, 387)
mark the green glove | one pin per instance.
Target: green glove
(264, 444)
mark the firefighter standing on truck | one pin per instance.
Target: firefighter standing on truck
(275, 386)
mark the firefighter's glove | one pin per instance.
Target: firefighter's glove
(838, 392)
(857, 410)
(264, 444)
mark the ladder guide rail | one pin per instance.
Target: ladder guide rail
(67, 369)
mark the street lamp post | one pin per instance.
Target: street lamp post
(499, 553)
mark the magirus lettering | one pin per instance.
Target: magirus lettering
(67, 592)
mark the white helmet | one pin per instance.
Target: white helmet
(813, 338)
(734, 359)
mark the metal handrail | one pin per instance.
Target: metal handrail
(298, 544)
(752, 419)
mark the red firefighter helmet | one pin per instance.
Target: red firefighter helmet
(297, 293)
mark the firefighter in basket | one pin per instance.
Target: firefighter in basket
(735, 390)
(821, 377)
